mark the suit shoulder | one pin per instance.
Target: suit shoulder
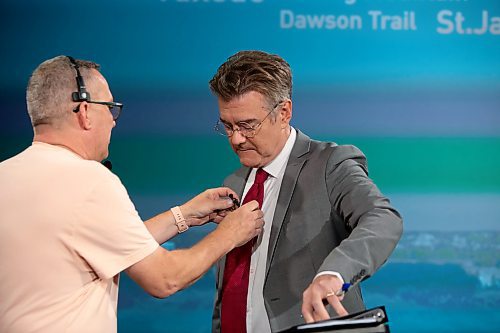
(345, 152)
(338, 154)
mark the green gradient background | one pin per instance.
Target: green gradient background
(159, 164)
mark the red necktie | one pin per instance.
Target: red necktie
(237, 269)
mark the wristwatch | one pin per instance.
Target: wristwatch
(180, 221)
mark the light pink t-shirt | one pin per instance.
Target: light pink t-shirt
(67, 228)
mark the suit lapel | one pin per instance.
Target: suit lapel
(296, 161)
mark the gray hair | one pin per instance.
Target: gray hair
(48, 95)
(246, 71)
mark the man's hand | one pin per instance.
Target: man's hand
(209, 205)
(243, 224)
(324, 287)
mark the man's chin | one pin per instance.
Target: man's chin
(249, 159)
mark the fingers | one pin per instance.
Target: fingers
(223, 198)
(252, 205)
(321, 292)
(259, 226)
(244, 223)
(320, 312)
(334, 301)
(255, 217)
(307, 314)
(222, 192)
(313, 308)
(218, 216)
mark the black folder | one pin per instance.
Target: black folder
(369, 321)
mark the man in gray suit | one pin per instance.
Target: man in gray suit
(328, 227)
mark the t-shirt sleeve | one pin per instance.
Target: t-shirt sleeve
(109, 233)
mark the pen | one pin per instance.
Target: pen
(343, 290)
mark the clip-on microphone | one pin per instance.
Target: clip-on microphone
(107, 164)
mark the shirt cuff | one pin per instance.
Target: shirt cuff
(336, 274)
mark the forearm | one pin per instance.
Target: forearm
(164, 272)
(368, 246)
(162, 227)
(190, 264)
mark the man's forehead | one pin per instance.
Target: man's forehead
(99, 86)
(247, 107)
(99, 78)
(241, 115)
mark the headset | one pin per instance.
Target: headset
(81, 95)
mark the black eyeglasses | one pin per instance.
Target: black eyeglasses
(246, 130)
(114, 107)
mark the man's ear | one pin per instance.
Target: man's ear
(285, 113)
(83, 116)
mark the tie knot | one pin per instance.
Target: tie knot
(260, 176)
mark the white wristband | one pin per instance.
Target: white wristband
(180, 221)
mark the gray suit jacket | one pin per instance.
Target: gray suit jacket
(329, 216)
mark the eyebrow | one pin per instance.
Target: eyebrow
(246, 121)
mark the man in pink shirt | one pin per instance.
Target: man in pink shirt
(68, 227)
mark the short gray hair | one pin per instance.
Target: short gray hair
(246, 71)
(48, 95)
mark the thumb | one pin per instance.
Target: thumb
(221, 203)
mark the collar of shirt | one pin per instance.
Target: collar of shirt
(276, 168)
(57, 147)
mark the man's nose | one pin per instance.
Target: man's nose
(237, 138)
